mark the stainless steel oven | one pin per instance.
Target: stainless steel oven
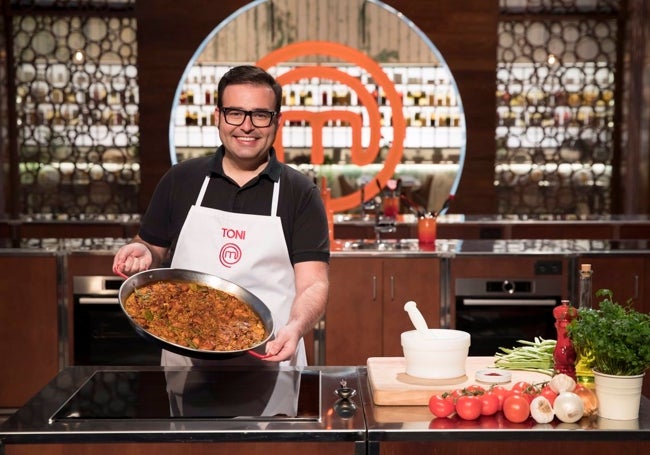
(102, 333)
(499, 312)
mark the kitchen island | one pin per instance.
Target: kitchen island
(111, 410)
(129, 410)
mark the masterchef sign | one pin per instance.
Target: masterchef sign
(318, 119)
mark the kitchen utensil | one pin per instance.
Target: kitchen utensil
(417, 319)
(439, 354)
(412, 206)
(445, 205)
(138, 280)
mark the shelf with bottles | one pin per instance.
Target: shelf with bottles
(552, 174)
(430, 107)
(71, 100)
(114, 166)
(341, 156)
(539, 96)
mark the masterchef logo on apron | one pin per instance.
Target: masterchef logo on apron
(230, 254)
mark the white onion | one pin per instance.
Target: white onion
(568, 407)
(541, 410)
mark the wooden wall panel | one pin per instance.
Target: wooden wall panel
(465, 32)
(29, 309)
(169, 32)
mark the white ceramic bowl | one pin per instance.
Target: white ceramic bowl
(437, 354)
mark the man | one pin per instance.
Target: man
(242, 199)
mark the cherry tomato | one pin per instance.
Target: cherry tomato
(454, 394)
(489, 404)
(521, 386)
(549, 393)
(474, 389)
(501, 393)
(468, 407)
(441, 406)
(516, 408)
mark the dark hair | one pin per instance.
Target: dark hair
(249, 74)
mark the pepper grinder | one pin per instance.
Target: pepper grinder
(564, 355)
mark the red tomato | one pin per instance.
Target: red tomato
(516, 408)
(527, 396)
(454, 394)
(489, 404)
(501, 393)
(549, 394)
(441, 406)
(468, 407)
(521, 386)
(474, 389)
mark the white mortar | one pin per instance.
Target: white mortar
(437, 354)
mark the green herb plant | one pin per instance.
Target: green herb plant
(616, 337)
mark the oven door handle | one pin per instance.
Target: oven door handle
(98, 301)
(509, 302)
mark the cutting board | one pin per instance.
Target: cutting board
(391, 386)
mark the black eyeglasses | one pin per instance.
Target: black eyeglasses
(259, 118)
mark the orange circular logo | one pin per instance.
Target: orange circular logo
(317, 120)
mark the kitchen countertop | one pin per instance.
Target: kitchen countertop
(416, 423)
(34, 422)
(408, 247)
(450, 248)
(374, 424)
(14, 231)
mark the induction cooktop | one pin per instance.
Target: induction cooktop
(243, 394)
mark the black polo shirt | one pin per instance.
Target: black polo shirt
(300, 206)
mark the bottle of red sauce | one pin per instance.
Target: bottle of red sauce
(564, 356)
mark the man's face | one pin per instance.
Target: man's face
(247, 142)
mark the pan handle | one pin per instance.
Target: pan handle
(118, 271)
(258, 355)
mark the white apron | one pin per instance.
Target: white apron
(248, 250)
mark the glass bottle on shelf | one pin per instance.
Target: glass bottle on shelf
(584, 375)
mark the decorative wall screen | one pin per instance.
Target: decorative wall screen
(76, 111)
(555, 107)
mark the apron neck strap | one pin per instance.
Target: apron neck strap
(274, 201)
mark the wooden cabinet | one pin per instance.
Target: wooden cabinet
(624, 275)
(29, 333)
(184, 448)
(365, 314)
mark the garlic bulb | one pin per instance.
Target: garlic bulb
(562, 383)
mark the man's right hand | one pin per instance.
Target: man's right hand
(132, 258)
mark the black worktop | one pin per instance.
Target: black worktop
(152, 404)
(114, 412)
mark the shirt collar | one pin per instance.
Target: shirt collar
(273, 169)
